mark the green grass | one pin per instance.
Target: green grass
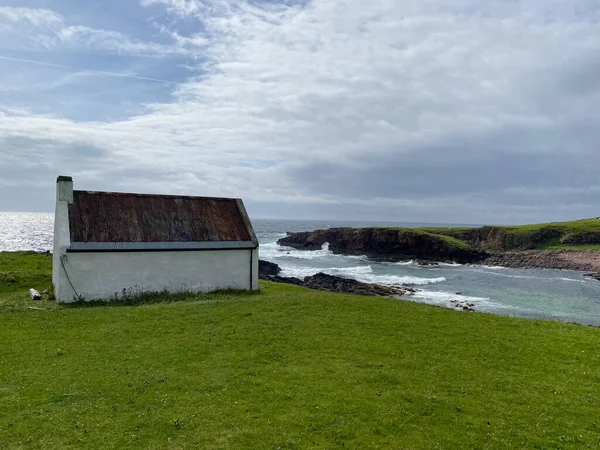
(545, 236)
(559, 230)
(542, 236)
(554, 246)
(288, 368)
(450, 240)
(591, 225)
(454, 242)
(20, 271)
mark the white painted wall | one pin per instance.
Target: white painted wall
(62, 235)
(102, 274)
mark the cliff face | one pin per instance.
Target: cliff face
(497, 239)
(386, 243)
(503, 239)
(551, 245)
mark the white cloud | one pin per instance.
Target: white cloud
(179, 7)
(42, 18)
(346, 101)
(43, 29)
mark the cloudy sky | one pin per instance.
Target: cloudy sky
(461, 111)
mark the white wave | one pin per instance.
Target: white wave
(505, 275)
(361, 273)
(569, 279)
(272, 250)
(423, 266)
(394, 280)
(451, 300)
(359, 257)
(445, 298)
(301, 272)
(488, 267)
(529, 277)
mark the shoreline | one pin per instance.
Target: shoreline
(571, 260)
(574, 260)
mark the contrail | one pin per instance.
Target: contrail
(100, 72)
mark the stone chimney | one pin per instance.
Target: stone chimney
(64, 189)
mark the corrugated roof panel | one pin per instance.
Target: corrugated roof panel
(118, 217)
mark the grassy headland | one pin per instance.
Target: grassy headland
(288, 368)
(466, 245)
(577, 235)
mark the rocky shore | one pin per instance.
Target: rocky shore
(270, 271)
(491, 246)
(386, 244)
(579, 260)
(323, 282)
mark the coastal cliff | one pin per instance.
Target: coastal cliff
(562, 245)
(386, 243)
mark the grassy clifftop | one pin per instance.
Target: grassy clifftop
(578, 234)
(459, 244)
(289, 368)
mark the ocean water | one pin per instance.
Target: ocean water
(532, 293)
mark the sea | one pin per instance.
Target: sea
(531, 293)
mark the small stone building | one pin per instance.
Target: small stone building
(107, 244)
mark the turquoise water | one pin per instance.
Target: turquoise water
(552, 294)
(533, 293)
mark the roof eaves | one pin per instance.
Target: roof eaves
(158, 246)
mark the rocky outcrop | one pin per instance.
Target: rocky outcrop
(506, 246)
(324, 282)
(501, 239)
(582, 238)
(386, 243)
(266, 268)
(580, 260)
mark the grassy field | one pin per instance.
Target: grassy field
(288, 368)
(450, 240)
(584, 225)
(546, 236)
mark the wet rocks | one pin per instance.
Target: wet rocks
(286, 280)
(386, 243)
(420, 262)
(268, 268)
(595, 275)
(325, 282)
(580, 260)
(465, 306)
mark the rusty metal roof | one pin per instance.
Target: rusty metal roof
(118, 220)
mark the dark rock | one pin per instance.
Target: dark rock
(266, 268)
(303, 241)
(286, 280)
(582, 238)
(427, 244)
(583, 260)
(596, 276)
(324, 282)
(386, 244)
(426, 263)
